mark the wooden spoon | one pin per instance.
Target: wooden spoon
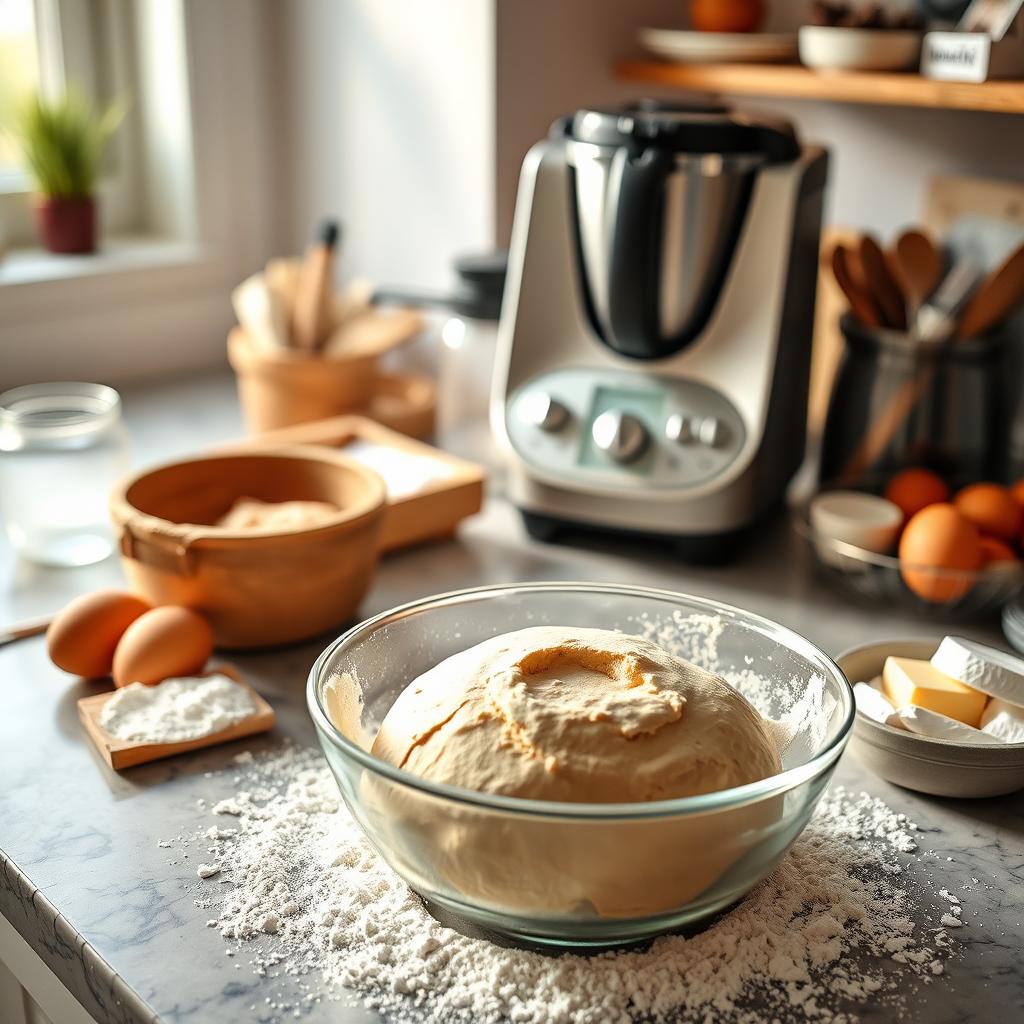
(996, 297)
(861, 302)
(882, 285)
(917, 263)
(23, 630)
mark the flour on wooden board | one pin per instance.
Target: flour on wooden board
(176, 709)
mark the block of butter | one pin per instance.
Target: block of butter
(909, 681)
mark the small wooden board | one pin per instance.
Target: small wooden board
(121, 754)
(447, 489)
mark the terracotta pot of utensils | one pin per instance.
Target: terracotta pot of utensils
(282, 387)
(302, 352)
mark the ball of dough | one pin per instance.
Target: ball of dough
(585, 716)
(577, 715)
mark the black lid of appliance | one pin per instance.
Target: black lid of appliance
(481, 284)
(485, 271)
(478, 292)
(686, 128)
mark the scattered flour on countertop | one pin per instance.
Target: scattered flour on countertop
(299, 887)
(176, 709)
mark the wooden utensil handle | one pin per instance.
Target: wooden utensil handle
(884, 428)
(861, 304)
(23, 630)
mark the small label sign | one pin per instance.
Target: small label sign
(956, 56)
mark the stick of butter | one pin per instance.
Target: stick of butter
(941, 727)
(1003, 720)
(982, 668)
(909, 681)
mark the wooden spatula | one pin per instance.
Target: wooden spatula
(881, 284)
(917, 263)
(995, 298)
(861, 303)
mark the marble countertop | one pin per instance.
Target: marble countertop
(84, 882)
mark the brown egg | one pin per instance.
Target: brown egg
(992, 509)
(83, 636)
(994, 550)
(915, 489)
(937, 538)
(1017, 492)
(165, 642)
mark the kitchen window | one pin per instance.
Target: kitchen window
(19, 75)
(188, 199)
(53, 45)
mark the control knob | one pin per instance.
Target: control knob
(620, 435)
(544, 412)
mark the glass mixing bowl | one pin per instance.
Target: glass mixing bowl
(567, 873)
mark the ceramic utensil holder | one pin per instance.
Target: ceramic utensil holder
(286, 387)
(898, 402)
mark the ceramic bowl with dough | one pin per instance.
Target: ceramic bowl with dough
(659, 808)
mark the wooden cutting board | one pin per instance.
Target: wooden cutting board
(120, 754)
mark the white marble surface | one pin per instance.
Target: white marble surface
(82, 877)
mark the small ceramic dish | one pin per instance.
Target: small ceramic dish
(831, 48)
(854, 517)
(937, 767)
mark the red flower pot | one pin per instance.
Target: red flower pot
(67, 224)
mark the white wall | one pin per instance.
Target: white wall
(552, 57)
(389, 125)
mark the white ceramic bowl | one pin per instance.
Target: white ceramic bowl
(856, 517)
(921, 763)
(828, 48)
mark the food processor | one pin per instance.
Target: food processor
(655, 339)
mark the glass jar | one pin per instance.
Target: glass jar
(465, 355)
(62, 449)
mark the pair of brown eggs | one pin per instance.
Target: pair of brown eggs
(112, 632)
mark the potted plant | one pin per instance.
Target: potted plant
(63, 142)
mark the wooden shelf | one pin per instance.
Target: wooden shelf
(797, 82)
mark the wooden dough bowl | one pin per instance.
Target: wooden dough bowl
(257, 588)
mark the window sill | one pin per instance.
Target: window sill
(117, 256)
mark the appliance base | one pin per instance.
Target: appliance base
(697, 549)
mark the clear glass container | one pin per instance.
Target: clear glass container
(466, 370)
(63, 446)
(569, 873)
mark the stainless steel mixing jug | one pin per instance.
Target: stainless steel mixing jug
(661, 195)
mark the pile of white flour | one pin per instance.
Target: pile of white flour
(290, 878)
(176, 709)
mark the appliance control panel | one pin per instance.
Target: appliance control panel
(608, 426)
